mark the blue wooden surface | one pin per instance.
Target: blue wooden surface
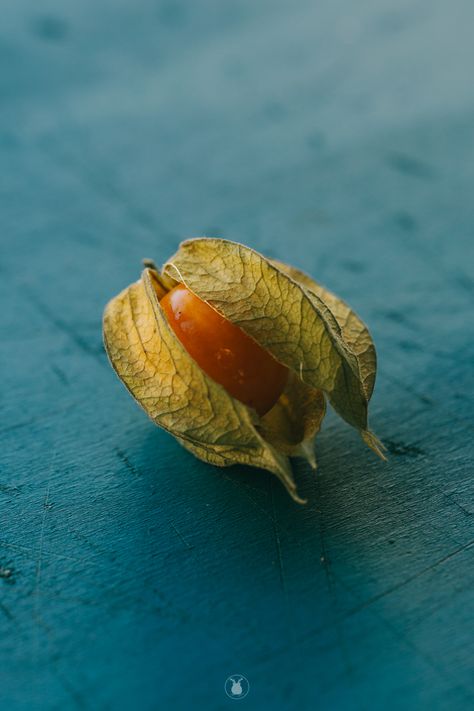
(338, 136)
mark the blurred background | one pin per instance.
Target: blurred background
(334, 135)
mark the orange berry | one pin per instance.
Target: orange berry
(223, 351)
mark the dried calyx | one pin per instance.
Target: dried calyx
(219, 313)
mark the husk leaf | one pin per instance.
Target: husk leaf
(293, 422)
(353, 330)
(287, 317)
(354, 333)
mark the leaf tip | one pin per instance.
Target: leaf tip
(149, 264)
(374, 443)
(297, 498)
(306, 451)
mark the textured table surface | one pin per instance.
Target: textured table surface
(132, 575)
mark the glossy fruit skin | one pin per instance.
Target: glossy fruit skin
(223, 351)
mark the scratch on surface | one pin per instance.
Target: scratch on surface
(32, 552)
(281, 568)
(7, 489)
(180, 536)
(337, 618)
(65, 328)
(67, 686)
(244, 488)
(428, 658)
(428, 401)
(95, 548)
(410, 578)
(76, 697)
(39, 561)
(61, 375)
(278, 544)
(385, 593)
(46, 507)
(123, 458)
(452, 501)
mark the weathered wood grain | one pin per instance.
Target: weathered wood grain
(340, 138)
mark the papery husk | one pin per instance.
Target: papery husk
(326, 347)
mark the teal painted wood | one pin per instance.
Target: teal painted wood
(341, 139)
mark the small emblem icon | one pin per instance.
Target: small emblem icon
(237, 686)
